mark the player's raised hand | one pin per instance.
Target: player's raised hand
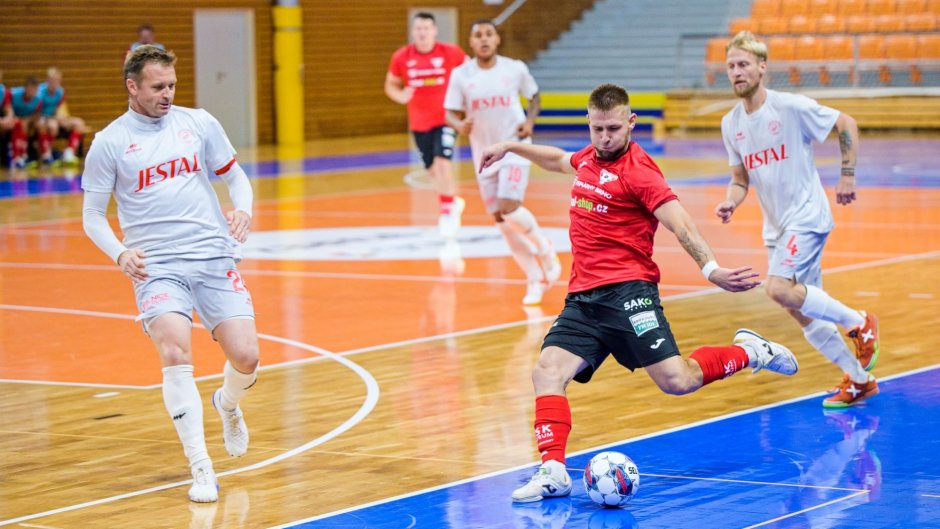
(724, 210)
(493, 154)
(734, 280)
(239, 224)
(845, 190)
(131, 262)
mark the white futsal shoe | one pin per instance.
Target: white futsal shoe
(449, 224)
(770, 355)
(234, 430)
(551, 265)
(551, 480)
(205, 488)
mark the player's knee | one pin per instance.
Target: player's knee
(677, 384)
(506, 207)
(547, 376)
(779, 291)
(174, 354)
(244, 356)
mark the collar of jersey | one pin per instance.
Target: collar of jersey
(146, 122)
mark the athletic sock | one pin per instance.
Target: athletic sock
(821, 306)
(522, 251)
(234, 386)
(75, 138)
(552, 426)
(720, 362)
(182, 401)
(447, 202)
(523, 221)
(825, 337)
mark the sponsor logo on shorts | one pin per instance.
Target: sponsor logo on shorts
(637, 303)
(644, 321)
(154, 300)
(658, 343)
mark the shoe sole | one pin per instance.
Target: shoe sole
(841, 405)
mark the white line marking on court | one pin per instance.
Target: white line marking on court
(808, 509)
(918, 295)
(746, 482)
(931, 495)
(371, 399)
(867, 294)
(37, 526)
(106, 394)
(598, 449)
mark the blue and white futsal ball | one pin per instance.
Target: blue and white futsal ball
(611, 479)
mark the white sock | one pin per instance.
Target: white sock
(184, 404)
(821, 306)
(523, 221)
(234, 386)
(825, 337)
(522, 251)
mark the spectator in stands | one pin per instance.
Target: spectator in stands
(768, 136)
(417, 77)
(26, 111)
(6, 121)
(55, 120)
(145, 36)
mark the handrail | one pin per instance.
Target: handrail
(510, 9)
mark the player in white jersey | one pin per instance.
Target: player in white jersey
(768, 136)
(482, 102)
(179, 249)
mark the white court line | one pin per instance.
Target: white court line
(808, 509)
(372, 398)
(601, 448)
(931, 495)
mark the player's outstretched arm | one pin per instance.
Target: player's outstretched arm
(736, 193)
(847, 129)
(677, 220)
(545, 156)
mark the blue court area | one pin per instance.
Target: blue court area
(792, 465)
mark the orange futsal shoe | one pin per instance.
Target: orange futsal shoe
(850, 393)
(865, 339)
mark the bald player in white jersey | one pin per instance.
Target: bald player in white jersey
(768, 136)
(179, 249)
(482, 101)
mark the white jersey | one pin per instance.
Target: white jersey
(775, 146)
(158, 170)
(490, 96)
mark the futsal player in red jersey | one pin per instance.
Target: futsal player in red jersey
(618, 199)
(417, 77)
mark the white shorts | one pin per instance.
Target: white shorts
(508, 183)
(213, 287)
(798, 256)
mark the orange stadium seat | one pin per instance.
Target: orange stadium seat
(715, 58)
(910, 7)
(765, 8)
(889, 23)
(801, 24)
(928, 47)
(871, 54)
(741, 24)
(921, 22)
(902, 49)
(773, 26)
(852, 7)
(860, 24)
(830, 24)
(810, 55)
(818, 8)
(840, 55)
(880, 7)
(782, 54)
(789, 8)
(933, 6)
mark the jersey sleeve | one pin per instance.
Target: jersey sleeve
(396, 63)
(457, 56)
(734, 157)
(100, 172)
(219, 151)
(816, 121)
(453, 99)
(527, 85)
(648, 185)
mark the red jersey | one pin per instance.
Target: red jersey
(428, 73)
(612, 221)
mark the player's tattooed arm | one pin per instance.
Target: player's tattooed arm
(677, 220)
(848, 144)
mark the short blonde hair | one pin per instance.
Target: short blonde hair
(745, 40)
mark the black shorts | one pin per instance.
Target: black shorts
(623, 319)
(438, 141)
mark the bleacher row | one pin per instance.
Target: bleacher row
(840, 42)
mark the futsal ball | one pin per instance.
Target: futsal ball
(611, 479)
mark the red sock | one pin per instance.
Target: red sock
(552, 425)
(446, 202)
(18, 138)
(74, 139)
(45, 144)
(719, 362)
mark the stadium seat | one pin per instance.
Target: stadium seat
(840, 56)
(871, 55)
(801, 24)
(741, 24)
(910, 7)
(782, 55)
(830, 24)
(849, 8)
(860, 24)
(880, 7)
(818, 8)
(790, 8)
(773, 26)
(920, 23)
(933, 6)
(889, 24)
(715, 58)
(902, 49)
(928, 48)
(765, 8)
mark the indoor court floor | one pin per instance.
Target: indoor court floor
(395, 385)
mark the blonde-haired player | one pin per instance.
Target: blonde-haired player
(486, 92)
(768, 136)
